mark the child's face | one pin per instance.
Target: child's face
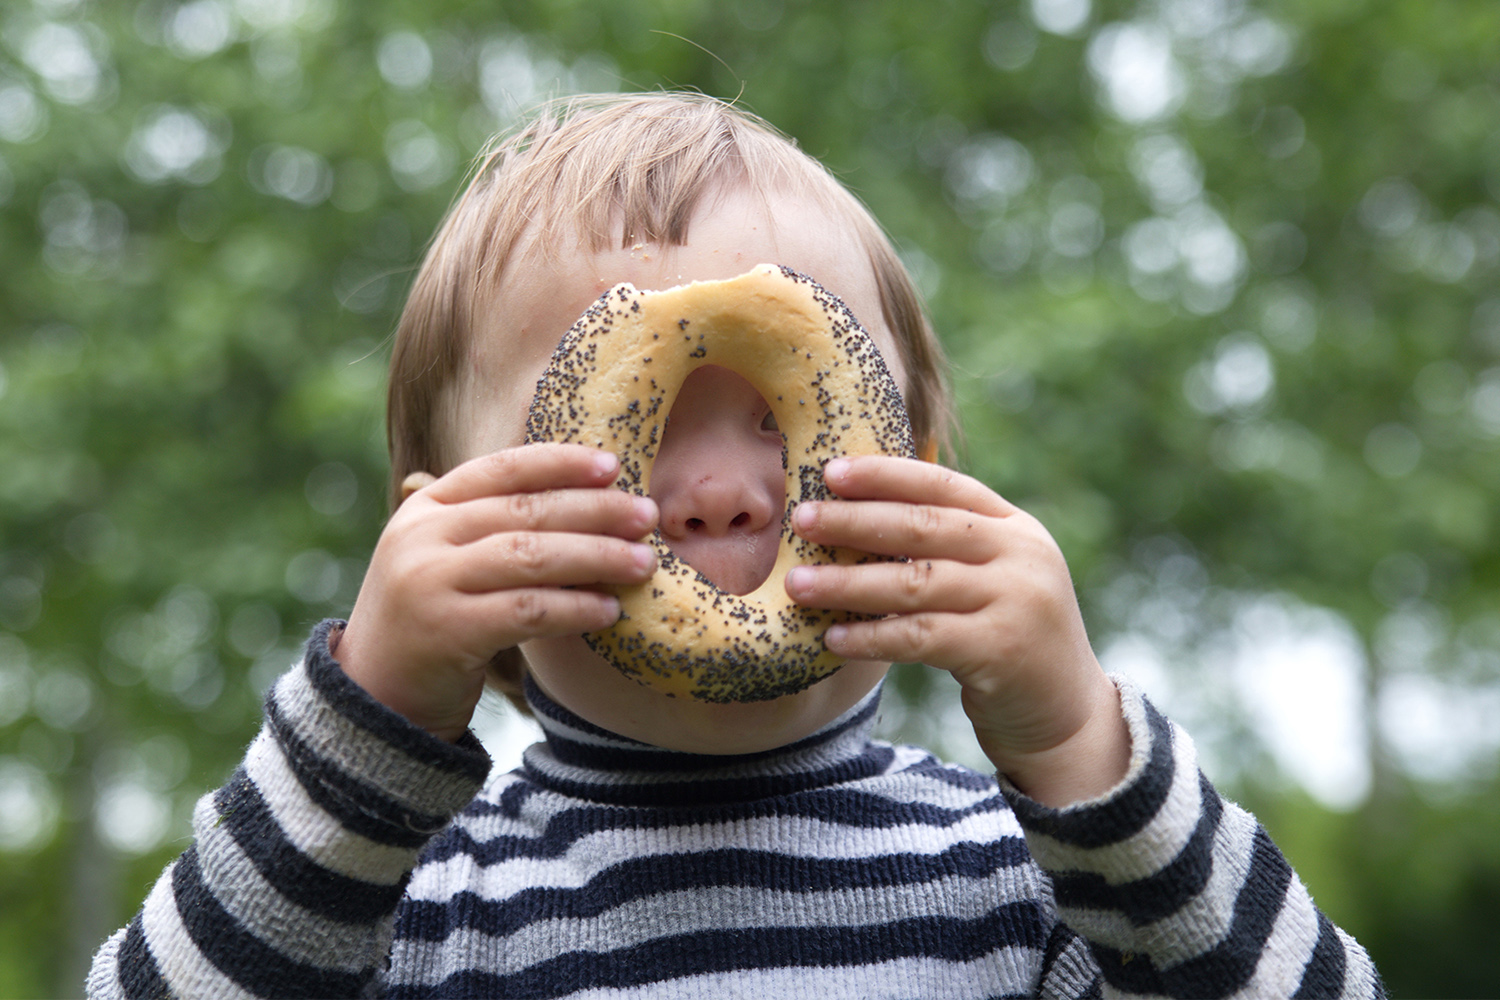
(718, 478)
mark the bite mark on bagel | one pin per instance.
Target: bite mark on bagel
(611, 383)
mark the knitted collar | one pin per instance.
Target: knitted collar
(584, 761)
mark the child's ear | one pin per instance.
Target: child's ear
(414, 482)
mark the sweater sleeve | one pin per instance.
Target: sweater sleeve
(1176, 891)
(298, 862)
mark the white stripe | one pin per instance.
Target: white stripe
(906, 787)
(899, 788)
(1201, 923)
(792, 837)
(1150, 849)
(729, 908)
(1359, 972)
(1283, 960)
(904, 755)
(104, 973)
(187, 970)
(358, 752)
(540, 810)
(259, 908)
(927, 786)
(315, 833)
(1003, 970)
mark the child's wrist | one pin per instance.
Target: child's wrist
(391, 695)
(1085, 766)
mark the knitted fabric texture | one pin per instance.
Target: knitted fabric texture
(353, 855)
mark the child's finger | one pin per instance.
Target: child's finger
(524, 559)
(922, 638)
(597, 511)
(906, 480)
(915, 585)
(527, 469)
(539, 613)
(916, 530)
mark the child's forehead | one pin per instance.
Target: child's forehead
(545, 288)
(554, 276)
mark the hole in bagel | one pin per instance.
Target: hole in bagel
(719, 479)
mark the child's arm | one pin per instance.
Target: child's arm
(298, 862)
(983, 593)
(1175, 890)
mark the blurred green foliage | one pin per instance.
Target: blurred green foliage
(1218, 278)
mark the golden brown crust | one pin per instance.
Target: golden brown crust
(611, 384)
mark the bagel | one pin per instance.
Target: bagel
(611, 384)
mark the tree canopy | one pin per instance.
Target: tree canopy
(1217, 278)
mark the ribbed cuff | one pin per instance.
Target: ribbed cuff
(320, 707)
(1129, 806)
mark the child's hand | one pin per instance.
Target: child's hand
(482, 559)
(984, 594)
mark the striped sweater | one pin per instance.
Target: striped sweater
(354, 855)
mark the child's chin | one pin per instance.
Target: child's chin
(585, 684)
(753, 727)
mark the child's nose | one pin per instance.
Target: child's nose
(719, 469)
(715, 502)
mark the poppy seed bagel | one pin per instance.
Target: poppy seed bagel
(611, 384)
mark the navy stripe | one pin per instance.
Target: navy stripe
(858, 810)
(249, 820)
(1131, 972)
(701, 791)
(239, 954)
(1324, 975)
(545, 708)
(511, 800)
(641, 878)
(628, 755)
(1229, 965)
(360, 807)
(140, 977)
(1160, 894)
(1059, 943)
(954, 777)
(466, 758)
(616, 759)
(707, 952)
(1123, 816)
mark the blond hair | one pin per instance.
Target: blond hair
(614, 170)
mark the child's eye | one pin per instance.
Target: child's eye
(768, 423)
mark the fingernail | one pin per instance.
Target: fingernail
(645, 509)
(835, 636)
(643, 557)
(604, 463)
(799, 579)
(804, 516)
(836, 469)
(609, 611)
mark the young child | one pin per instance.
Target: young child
(666, 847)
